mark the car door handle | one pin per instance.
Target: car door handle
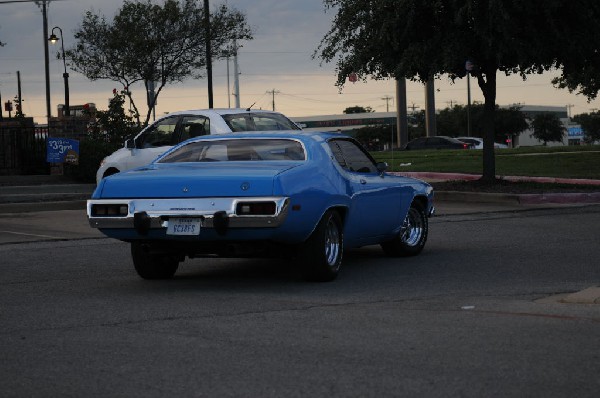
(362, 181)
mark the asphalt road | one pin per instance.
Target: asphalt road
(476, 314)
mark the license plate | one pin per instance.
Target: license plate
(184, 226)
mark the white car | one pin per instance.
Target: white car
(176, 127)
(477, 143)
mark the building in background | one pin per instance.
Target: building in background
(348, 123)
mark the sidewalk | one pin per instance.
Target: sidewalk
(22, 194)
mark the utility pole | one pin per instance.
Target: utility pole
(413, 108)
(46, 58)
(387, 99)
(208, 54)
(569, 106)
(19, 97)
(236, 75)
(228, 84)
(273, 92)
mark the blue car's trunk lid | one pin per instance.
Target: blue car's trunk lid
(180, 180)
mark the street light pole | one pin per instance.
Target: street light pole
(469, 66)
(46, 63)
(53, 39)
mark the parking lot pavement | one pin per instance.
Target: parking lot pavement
(44, 209)
(45, 225)
(68, 220)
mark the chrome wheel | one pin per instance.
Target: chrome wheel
(413, 234)
(322, 252)
(413, 227)
(332, 243)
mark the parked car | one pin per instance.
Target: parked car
(436, 142)
(179, 126)
(296, 195)
(477, 143)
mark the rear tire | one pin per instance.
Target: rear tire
(322, 252)
(413, 235)
(153, 265)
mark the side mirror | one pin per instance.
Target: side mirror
(382, 167)
(130, 143)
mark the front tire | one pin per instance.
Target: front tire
(152, 265)
(413, 235)
(322, 252)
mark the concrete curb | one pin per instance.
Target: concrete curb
(31, 207)
(524, 199)
(426, 175)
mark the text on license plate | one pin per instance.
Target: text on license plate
(184, 226)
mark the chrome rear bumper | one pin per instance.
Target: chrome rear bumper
(159, 211)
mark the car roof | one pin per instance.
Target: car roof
(221, 111)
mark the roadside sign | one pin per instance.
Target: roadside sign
(62, 150)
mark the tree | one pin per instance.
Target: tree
(106, 132)
(590, 124)
(453, 121)
(358, 109)
(547, 127)
(421, 39)
(114, 125)
(375, 137)
(508, 121)
(150, 43)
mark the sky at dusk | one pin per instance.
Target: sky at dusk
(286, 34)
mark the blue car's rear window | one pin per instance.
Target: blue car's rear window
(231, 150)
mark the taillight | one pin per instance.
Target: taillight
(255, 209)
(465, 146)
(110, 210)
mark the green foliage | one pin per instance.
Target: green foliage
(147, 42)
(420, 39)
(358, 109)
(581, 62)
(114, 125)
(508, 122)
(547, 127)
(91, 153)
(375, 138)
(590, 124)
(108, 133)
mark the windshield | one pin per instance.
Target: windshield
(231, 150)
(259, 122)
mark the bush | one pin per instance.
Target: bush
(91, 154)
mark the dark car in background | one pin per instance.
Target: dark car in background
(436, 142)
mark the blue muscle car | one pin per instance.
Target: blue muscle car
(304, 195)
